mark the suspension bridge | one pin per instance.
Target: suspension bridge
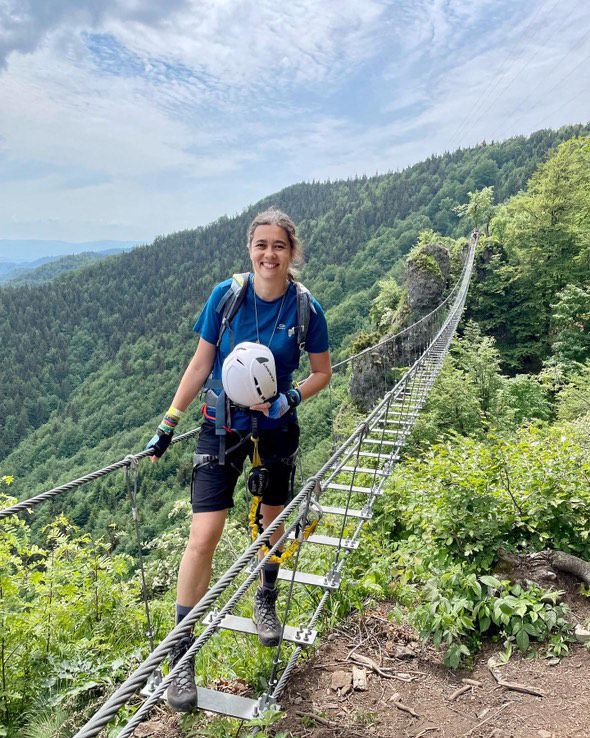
(336, 502)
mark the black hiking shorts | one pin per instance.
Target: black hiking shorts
(213, 484)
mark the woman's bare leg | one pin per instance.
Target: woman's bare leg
(195, 568)
(269, 513)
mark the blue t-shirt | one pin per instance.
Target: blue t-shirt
(282, 343)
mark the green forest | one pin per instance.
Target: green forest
(497, 461)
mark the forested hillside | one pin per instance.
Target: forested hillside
(497, 460)
(131, 317)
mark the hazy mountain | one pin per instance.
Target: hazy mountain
(44, 270)
(18, 251)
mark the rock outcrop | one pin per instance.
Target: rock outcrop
(427, 280)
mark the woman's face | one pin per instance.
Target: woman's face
(270, 252)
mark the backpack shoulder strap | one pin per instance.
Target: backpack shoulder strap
(231, 301)
(304, 308)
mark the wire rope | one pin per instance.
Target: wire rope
(488, 92)
(522, 104)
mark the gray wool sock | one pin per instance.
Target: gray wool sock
(181, 612)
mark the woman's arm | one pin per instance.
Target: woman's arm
(195, 375)
(321, 373)
(192, 380)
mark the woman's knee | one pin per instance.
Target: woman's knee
(206, 530)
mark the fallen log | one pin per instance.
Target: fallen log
(542, 562)
(570, 564)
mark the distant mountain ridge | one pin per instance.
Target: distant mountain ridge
(19, 263)
(9, 267)
(48, 268)
(18, 251)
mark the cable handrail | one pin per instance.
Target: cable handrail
(90, 477)
(393, 336)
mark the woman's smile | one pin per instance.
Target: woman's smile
(270, 252)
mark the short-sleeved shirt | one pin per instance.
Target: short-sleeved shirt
(282, 339)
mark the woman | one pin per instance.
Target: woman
(267, 315)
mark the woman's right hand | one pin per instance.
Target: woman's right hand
(159, 442)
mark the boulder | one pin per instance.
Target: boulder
(427, 278)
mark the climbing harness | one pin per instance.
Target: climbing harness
(258, 482)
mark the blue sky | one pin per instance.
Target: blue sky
(123, 119)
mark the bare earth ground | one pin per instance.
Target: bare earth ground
(321, 703)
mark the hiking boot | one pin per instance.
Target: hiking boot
(182, 692)
(268, 625)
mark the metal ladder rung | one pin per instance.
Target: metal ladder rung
(325, 581)
(382, 457)
(380, 441)
(330, 541)
(222, 703)
(291, 633)
(363, 470)
(397, 422)
(350, 513)
(348, 488)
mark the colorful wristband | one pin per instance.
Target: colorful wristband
(170, 420)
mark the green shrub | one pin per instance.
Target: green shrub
(460, 608)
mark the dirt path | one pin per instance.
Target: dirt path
(321, 702)
(424, 685)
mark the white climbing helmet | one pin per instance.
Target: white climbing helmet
(249, 374)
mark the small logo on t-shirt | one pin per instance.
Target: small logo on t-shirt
(281, 327)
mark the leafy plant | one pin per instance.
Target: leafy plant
(461, 608)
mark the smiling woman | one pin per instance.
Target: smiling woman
(262, 312)
(282, 226)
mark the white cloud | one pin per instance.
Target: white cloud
(150, 116)
(24, 24)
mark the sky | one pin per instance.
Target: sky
(125, 119)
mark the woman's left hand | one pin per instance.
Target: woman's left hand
(274, 409)
(261, 407)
